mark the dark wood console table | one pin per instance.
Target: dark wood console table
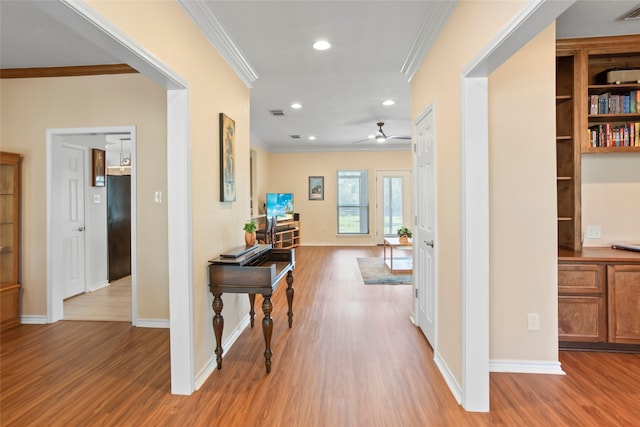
(256, 270)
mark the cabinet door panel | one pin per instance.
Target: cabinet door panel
(581, 318)
(624, 303)
(581, 278)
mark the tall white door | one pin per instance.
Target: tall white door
(68, 219)
(393, 202)
(424, 237)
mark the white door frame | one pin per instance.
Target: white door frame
(82, 18)
(534, 18)
(55, 305)
(407, 202)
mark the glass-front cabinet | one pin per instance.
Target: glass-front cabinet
(9, 239)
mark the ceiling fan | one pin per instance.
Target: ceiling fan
(380, 136)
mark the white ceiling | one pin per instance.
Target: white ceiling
(269, 43)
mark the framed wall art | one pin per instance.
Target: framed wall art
(227, 159)
(98, 167)
(316, 188)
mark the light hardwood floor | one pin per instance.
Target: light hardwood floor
(352, 358)
(110, 303)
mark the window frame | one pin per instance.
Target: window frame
(362, 203)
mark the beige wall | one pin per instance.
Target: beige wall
(523, 259)
(472, 25)
(213, 88)
(289, 173)
(28, 108)
(611, 197)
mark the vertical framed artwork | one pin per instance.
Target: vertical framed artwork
(316, 188)
(227, 159)
(98, 167)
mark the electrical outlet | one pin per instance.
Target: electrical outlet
(593, 232)
(533, 321)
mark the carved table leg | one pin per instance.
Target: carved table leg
(267, 328)
(290, 296)
(252, 312)
(218, 324)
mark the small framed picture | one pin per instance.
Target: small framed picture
(227, 159)
(98, 167)
(316, 188)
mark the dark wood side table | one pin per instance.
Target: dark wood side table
(256, 270)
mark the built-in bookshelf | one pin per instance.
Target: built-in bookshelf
(613, 110)
(593, 116)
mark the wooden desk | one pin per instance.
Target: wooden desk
(257, 272)
(401, 266)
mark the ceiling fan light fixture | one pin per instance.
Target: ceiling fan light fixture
(380, 138)
(322, 45)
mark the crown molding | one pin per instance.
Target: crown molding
(217, 35)
(434, 20)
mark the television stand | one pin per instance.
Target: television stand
(287, 234)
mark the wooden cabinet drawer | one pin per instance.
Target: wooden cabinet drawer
(624, 303)
(581, 279)
(582, 318)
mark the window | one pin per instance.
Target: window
(353, 202)
(393, 215)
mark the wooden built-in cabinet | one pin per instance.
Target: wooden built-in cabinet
(599, 299)
(598, 288)
(9, 239)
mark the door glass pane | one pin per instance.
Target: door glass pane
(392, 196)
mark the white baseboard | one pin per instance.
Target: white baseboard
(95, 286)
(211, 364)
(449, 378)
(153, 323)
(33, 320)
(525, 366)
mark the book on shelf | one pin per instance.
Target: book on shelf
(605, 135)
(608, 103)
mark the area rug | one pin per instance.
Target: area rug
(375, 272)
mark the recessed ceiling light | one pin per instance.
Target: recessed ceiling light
(312, 138)
(389, 102)
(296, 105)
(321, 45)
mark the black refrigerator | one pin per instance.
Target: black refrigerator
(119, 225)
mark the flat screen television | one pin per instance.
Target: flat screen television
(279, 205)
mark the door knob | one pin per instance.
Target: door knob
(429, 243)
(81, 229)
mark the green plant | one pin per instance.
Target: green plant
(404, 231)
(250, 226)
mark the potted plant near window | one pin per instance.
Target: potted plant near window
(250, 233)
(404, 234)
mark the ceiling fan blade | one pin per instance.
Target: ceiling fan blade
(363, 140)
(398, 137)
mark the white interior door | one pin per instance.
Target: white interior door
(68, 219)
(424, 236)
(393, 202)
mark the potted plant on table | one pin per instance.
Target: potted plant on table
(250, 233)
(404, 234)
